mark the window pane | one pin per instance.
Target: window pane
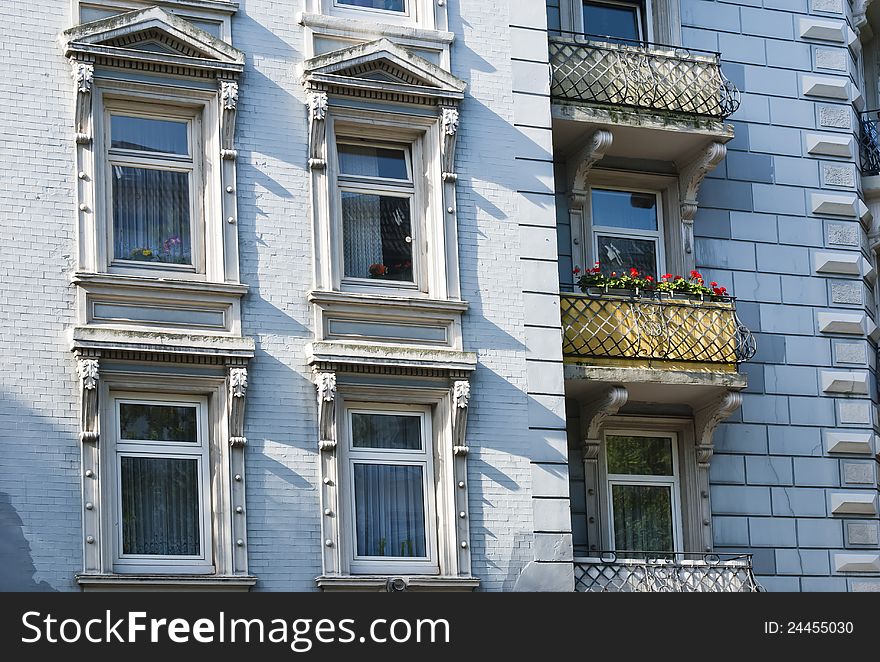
(366, 161)
(388, 5)
(624, 209)
(390, 511)
(619, 21)
(640, 456)
(149, 135)
(386, 431)
(642, 517)
(376, 236)
(157, 422)
(620, 254)
(160, 506)
(151, 221)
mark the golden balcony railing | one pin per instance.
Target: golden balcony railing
(617, 72)
(675, 572)
(637, 329)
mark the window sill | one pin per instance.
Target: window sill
(165, 582)
(158, 283)
(380, 583)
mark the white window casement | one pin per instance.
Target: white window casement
(159, 480)
(163, 475)
(153, 197)
(421, 14)
(381, 215)
(615, 19)
(394, 483)
(641, 478)
(625, 20)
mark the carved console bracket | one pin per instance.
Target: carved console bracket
(594, 413)
(449, 128)
(690, 178)
(83, 74)
(581, 164)
(707, 418)
(859, 14)
(461, 395)
(228, 90)
(238, 384)
(87, 367)
(325, 382)
(317, 104)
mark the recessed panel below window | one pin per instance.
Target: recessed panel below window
(160, 506)
(377, 236)
(151, 215)
(390, 510)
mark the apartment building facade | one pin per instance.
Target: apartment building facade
(292, 295)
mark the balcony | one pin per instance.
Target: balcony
(653, 330)
(645, 572)
(869, 142)
(640, 75)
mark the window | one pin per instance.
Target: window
(390, 484)
(376, 193)
(622, 20)
(153, 186)
(160, 463)
(642, 492)
(385, 5)
(626, 230)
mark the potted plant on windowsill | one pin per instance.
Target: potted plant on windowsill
(632, 283)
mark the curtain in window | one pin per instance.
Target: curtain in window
(361, 232)
(642, 518)
(390, 512)
(160, 506)
(151, 215)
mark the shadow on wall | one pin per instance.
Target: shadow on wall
(16, 565)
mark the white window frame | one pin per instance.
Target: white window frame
(190, 164)
(593, 230)
(349, 456)
(208, 233)
(397, 188)
(643, 14)
(673, 482)
(409, 9)
(430, 259)
(661, 19)
(119, 448)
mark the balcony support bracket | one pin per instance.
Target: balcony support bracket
(691, 175)
(593, 416)
(580, 165)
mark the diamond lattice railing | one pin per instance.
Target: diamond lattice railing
(640, 75)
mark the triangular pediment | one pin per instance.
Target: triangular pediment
(152, 31)
(383, 62)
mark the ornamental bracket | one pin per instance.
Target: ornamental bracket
(317, 105)
(461, 395)
(690, 178)
(325, 382)
(238, 384)
(449, 128)
(89, 374)
(83, 74)
(228, 90)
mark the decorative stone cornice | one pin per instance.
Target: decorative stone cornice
(238, 384)
(581, 164)
(690, 178)
(461, 395)
(89, 374)
(317, 105)
(228, 90)
(83, 75)
(449, 128)
(325, 383)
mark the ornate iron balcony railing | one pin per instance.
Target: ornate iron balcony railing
(654, 327)
(618, 72)
(678, 572)
(869, 142)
